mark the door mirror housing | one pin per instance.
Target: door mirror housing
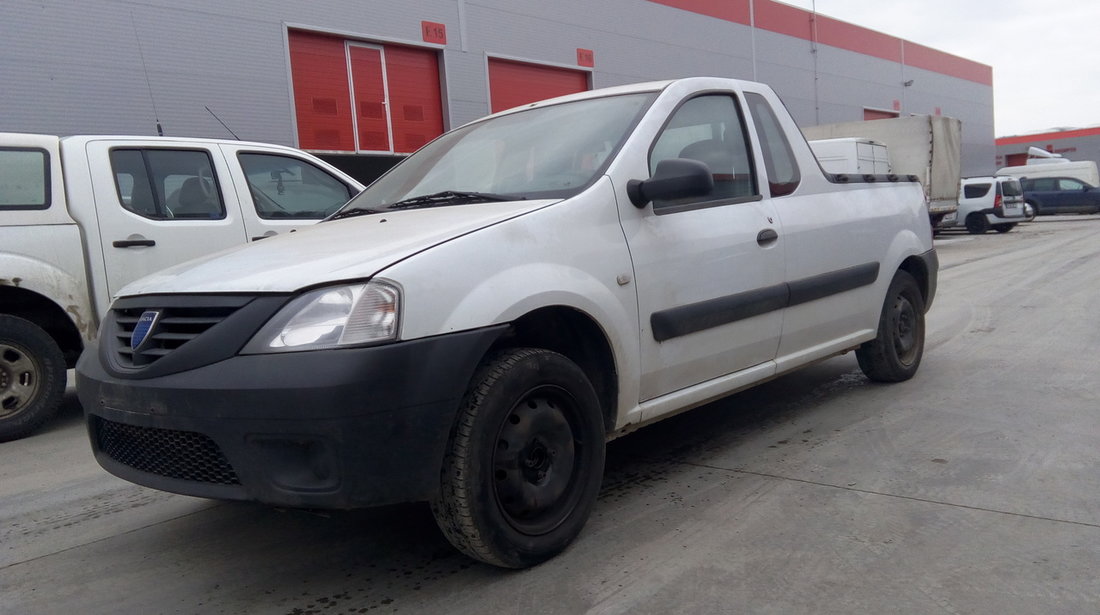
(674, 178)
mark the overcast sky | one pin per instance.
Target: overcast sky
(1045, 54)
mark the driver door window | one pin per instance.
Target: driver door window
(709, 129)
(286, 187)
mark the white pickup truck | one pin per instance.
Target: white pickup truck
(474, 327)
(82, 216)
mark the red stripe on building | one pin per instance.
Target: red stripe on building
(736, 11)
(1050, 136)
(793, 21)
(844, 35)
(783, 19)
(937, 61)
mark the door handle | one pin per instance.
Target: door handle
(134, 243)
(766, 236)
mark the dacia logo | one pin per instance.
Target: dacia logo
(144, 327)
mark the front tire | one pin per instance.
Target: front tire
(895, 354)
(32, 377)
(524, 461)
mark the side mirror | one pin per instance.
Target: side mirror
(675, 178)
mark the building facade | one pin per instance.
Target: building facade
(363, 82)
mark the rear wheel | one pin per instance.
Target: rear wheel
(524, 461)
(976, 224)
(1031, 209)
(895, 354)
(32, 377)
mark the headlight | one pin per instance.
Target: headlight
(332, 317)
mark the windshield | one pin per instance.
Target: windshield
(547, 152)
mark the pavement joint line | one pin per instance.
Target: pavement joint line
(217, 504)
(891, 495)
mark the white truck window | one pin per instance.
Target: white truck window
(163, 184)
(24, 179)
(286, 187)
(709, 129)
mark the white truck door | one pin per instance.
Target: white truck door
(280, 190)
(710, 270)
(158, 206)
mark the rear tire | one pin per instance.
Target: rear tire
(32, 377)
(1034, 210)
(976, 224)
(895, 354)
(524, 461)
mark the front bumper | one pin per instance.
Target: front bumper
(340, 428)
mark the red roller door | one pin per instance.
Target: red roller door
(876, 114)
(390, 102)
(512, 84)
(416, 111)
(322, 106)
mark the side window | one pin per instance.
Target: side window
(779, 162)
(1070, 184)
(710, 129)
(162, 184)
(1042, 184)
(975, 191)
(286, 187)
(24, 179)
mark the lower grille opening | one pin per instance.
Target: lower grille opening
(182, 455)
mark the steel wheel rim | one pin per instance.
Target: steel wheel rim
(20, 379)
(906, 330)
(534, 465)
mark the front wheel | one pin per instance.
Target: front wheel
(32, 377)
(895, 354)
(524, 461)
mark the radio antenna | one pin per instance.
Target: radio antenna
(221, 122)
(148, 85)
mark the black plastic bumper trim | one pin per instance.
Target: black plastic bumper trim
(328, 429)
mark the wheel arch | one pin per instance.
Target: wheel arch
(919, 268)
(577, 336)
(45, 313)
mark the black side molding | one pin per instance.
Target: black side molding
(694, 317)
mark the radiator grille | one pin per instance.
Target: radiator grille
(174, 328)
(183, 455)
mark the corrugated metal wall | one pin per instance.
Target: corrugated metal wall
(71, 67)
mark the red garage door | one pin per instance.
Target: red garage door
(361, 97)
(512, 84)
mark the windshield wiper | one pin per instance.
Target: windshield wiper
(452, 197)
(351, 212)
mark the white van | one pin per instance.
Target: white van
(852, 155)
